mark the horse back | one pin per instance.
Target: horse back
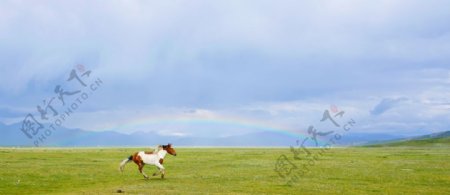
(149, 158)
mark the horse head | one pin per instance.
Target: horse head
(169, 149)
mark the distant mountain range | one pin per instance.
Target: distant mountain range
(11, 135)
(435, 139)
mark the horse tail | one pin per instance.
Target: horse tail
(124, 162)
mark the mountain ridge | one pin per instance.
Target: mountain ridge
(68, 137)
(433, 139)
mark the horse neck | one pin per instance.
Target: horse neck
(157, 149)
(162, 153)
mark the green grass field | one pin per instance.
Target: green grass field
(386, 170)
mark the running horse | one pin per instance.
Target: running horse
(151, 158)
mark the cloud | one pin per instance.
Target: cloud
(282, 62)
(385, 105)
(11, 112)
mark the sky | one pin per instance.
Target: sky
(222, 68)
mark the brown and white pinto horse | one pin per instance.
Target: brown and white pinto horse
(151, 158)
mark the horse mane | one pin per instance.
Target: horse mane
(156, 150)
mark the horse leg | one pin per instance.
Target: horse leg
(138, 160)
(156, 172)
(161, 170)
(141, 166)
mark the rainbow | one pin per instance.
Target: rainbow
(219, 121)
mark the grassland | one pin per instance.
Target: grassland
(386, 170)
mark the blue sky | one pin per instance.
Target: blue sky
(267, 63)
